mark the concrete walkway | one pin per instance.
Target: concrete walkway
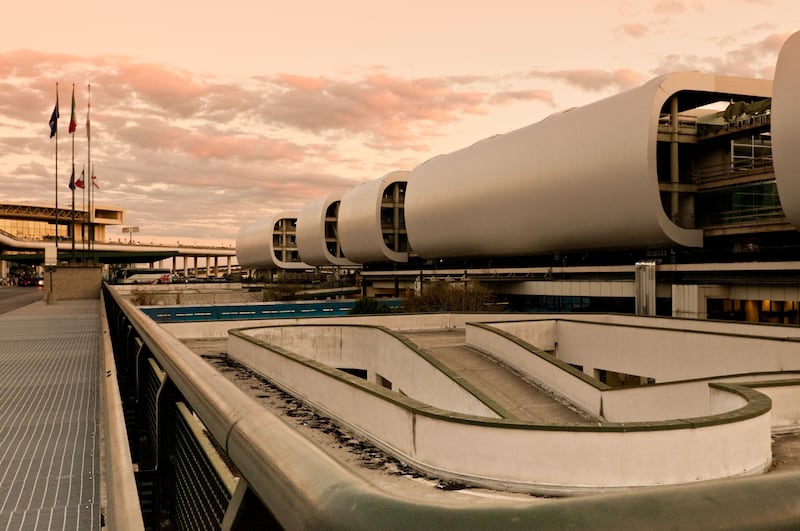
(522, 399)
(49, 453)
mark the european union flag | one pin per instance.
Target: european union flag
(54, 119)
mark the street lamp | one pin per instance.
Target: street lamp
(130, 230)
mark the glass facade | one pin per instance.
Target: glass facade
(32, 230)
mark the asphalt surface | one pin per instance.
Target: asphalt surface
(520, 399)
(13, 298)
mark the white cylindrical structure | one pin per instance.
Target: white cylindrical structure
(785, 128)
(313, 240)
(581, 179)
(360, 228)
(269, 244)
(252, 247)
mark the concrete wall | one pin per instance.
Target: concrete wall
(565, 457)
(416, 321)
(539, 366)
(672, 354)
(73, 282)
(376, 350)
(785, 396)
(666, 349)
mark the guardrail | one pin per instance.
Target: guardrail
(285, 481)
(255, 310)
(741, 168)
(124, 511)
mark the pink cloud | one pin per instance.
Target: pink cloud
(204, 146)
(164, 88)
(390, 110)
(634, 29)
(502, 98)
(670, 6)
(752, 59)
(594, 79)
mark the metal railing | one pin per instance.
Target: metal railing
(740, 168)
(745, 216)
(285, 481)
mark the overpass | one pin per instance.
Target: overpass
(14, 249)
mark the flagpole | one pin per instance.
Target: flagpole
(71, 131)
(56, 173)
(90, 236)
(83, 208)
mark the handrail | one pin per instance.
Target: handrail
(305, 488)
(726, 170)
(123, 510)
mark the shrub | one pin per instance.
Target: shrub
(440, 296)
(143, 298)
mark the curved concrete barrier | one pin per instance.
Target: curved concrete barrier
(552, 459)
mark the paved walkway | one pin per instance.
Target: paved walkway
(49, 455)
(522, 399)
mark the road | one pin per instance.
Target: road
(13, 298)
(520, 399)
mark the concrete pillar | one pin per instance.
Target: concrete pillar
(645, 288)
(208, 266)
(229, 265)
(216, 266)
(674, 174)
(688, 302)
(691, 301)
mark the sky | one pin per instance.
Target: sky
(207, 116)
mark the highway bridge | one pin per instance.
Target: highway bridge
(189, 259)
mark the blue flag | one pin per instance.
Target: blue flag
(54, 119)
(72, 179)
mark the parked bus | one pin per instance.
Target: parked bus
(140, 275)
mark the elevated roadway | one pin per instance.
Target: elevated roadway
(106, 252)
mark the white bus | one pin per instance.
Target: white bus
(137, 275)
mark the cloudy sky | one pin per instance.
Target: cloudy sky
(209, 115)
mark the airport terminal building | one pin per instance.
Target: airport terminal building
(680, 197)
(26, 228)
